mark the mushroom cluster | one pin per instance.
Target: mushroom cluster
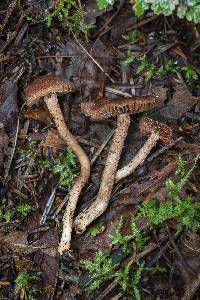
(122, 108)
(47, 87)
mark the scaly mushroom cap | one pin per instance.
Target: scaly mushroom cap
(147, 126)
(44, 85)
(106, 107)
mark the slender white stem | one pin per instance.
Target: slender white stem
(53, 107)
(139, 158)
(108, 177)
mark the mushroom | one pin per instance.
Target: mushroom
(47, 86)
(154, 130)
(104, 109)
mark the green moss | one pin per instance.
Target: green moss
(26, 280)
(23, 209)
(185, 211)
(67, 12)
(118, 238)
(65, 167)
(189, 9)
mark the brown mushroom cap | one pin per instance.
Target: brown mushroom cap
(147, 126)
(46, 84)
(106, 108)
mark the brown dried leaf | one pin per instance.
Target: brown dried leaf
(17, 241)
(8, 102)
(39, 114)
(189, 246)
(49, 266)
(182, 101)
(177, 50)
(54, 141)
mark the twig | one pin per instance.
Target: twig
(10, 39)
(14, 146)
(161, 251)
(98, 152)
(142, 23)
(177, 251)
(117, 92)
(48, 206)
(58, 210)
(9, 12)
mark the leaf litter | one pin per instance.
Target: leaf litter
(38, 50)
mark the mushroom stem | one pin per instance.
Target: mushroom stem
(108, 177)
(53, 107)
(139, 158)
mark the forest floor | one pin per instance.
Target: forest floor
(146, 244)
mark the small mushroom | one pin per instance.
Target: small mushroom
(46, 87)
(104, 109)
(154, 130)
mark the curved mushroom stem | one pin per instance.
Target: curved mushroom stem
(139, 158)
(108, 177)
(53, 107)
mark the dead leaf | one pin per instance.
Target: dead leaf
(182, 101)
(54, 141)
(4, 140)
(189, 245)
(49, 266)
(177, 50)
(40, 114)
(8, 103)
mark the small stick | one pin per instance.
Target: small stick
(48, 207)
(98, 152)
(14, 146)
(9, 12)
(60, 207)
(117, 92)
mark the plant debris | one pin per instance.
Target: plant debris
(114, 147)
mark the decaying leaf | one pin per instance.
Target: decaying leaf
(189, 246)
(40, 114)
(4, 140)
(54, 141)
(182, 101)
(8, 102)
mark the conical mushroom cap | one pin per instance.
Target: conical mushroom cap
(148, 125)
(44, 85)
